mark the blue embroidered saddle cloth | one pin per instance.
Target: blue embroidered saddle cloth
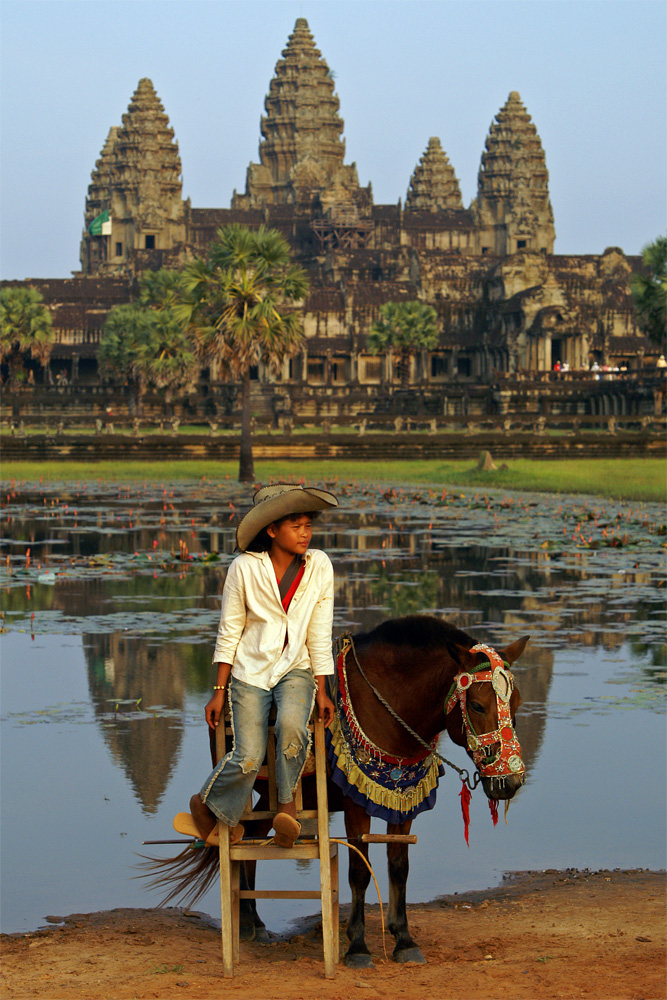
(391, 788)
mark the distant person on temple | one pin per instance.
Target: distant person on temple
(661, 363)
(273, 647)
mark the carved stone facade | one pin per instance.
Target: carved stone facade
(137, 180)
(433, 185)
(512, 210)
(505, 302)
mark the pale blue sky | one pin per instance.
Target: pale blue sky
(590, 72)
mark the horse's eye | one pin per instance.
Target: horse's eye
(476, 707)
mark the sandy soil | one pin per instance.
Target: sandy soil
(540, 935)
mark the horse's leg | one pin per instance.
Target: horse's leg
(357, 821)
(397, 919)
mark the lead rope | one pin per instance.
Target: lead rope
(345, 642)
(346, 843)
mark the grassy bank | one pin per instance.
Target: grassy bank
(621, 478)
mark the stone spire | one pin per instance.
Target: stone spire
(137, 180)
(302, 150)
(512, 207)
(433, 185)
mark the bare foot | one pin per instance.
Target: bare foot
(202, 815)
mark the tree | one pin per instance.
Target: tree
(146, 343)
(405, 327)
(649, 291)
(26, 334)
(25, 330)
(240, 303)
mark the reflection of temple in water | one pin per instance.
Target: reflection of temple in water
(388, 563)
(146, 749)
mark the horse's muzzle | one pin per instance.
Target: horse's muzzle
(503, 787)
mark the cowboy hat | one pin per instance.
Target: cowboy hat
(273, 502)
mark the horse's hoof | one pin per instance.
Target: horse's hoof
(409, 955)
(261, 936)
(247, 932)
(359, 960)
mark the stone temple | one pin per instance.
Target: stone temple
(505, 301)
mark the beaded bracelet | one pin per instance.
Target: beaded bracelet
(218, 687)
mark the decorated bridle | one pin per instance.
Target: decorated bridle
(508, 758)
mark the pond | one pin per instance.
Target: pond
(110, 608)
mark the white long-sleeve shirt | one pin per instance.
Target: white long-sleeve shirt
(253, 622)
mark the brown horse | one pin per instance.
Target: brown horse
(401, 685)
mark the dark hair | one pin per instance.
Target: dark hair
(262, 541)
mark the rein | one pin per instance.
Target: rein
(345, 642)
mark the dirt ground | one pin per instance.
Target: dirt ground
(539, 935)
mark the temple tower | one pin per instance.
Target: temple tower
(134, 201)
(512, 210)
(433, 185)
(302, 150)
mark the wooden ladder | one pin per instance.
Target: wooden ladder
(319, 847)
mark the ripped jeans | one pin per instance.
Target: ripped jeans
(228, 787)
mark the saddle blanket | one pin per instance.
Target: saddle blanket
(393, 789)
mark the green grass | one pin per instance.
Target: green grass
(621, 478)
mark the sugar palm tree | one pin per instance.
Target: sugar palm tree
(649, 291)
(145, 343)
(405, 327)
(26, 334)
(241, 303)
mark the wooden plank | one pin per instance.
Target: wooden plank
(272, 853)
(271, 765)
(279, 893)
(328, 928)
(226, 926)
(389, 838)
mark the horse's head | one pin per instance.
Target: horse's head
(480, 709)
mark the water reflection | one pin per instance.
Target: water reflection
(137, 573)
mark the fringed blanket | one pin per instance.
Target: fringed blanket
(391, 788)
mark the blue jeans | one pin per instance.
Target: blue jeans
(227, 788)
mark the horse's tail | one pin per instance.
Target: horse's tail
(185, 877)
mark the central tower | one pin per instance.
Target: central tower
(302, 150)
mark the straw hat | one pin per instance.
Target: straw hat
(273, 502)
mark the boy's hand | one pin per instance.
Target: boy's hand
(215, 708)
(325, 708)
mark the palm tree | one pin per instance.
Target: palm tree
(145, 343)
(407, 327)
(26, 334)
(239, 303)
(650, 292)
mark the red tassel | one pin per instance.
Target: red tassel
(465, 797)
(493, 806)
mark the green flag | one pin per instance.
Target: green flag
(101, 224)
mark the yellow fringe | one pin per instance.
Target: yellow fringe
(386, 797)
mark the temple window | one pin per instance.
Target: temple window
(370, 369)
(463, 366)
(521, 244)
(254, 369)
(150, 241)
(438, 366)
(339, 370)
(485, 249)
(315, 370)
(119, 249)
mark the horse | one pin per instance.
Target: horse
(399, 687)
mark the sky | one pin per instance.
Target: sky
(591, 73)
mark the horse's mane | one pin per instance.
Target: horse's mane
(420, 632)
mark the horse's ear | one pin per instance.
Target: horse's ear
(514, 651)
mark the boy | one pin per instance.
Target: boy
(273, 646)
